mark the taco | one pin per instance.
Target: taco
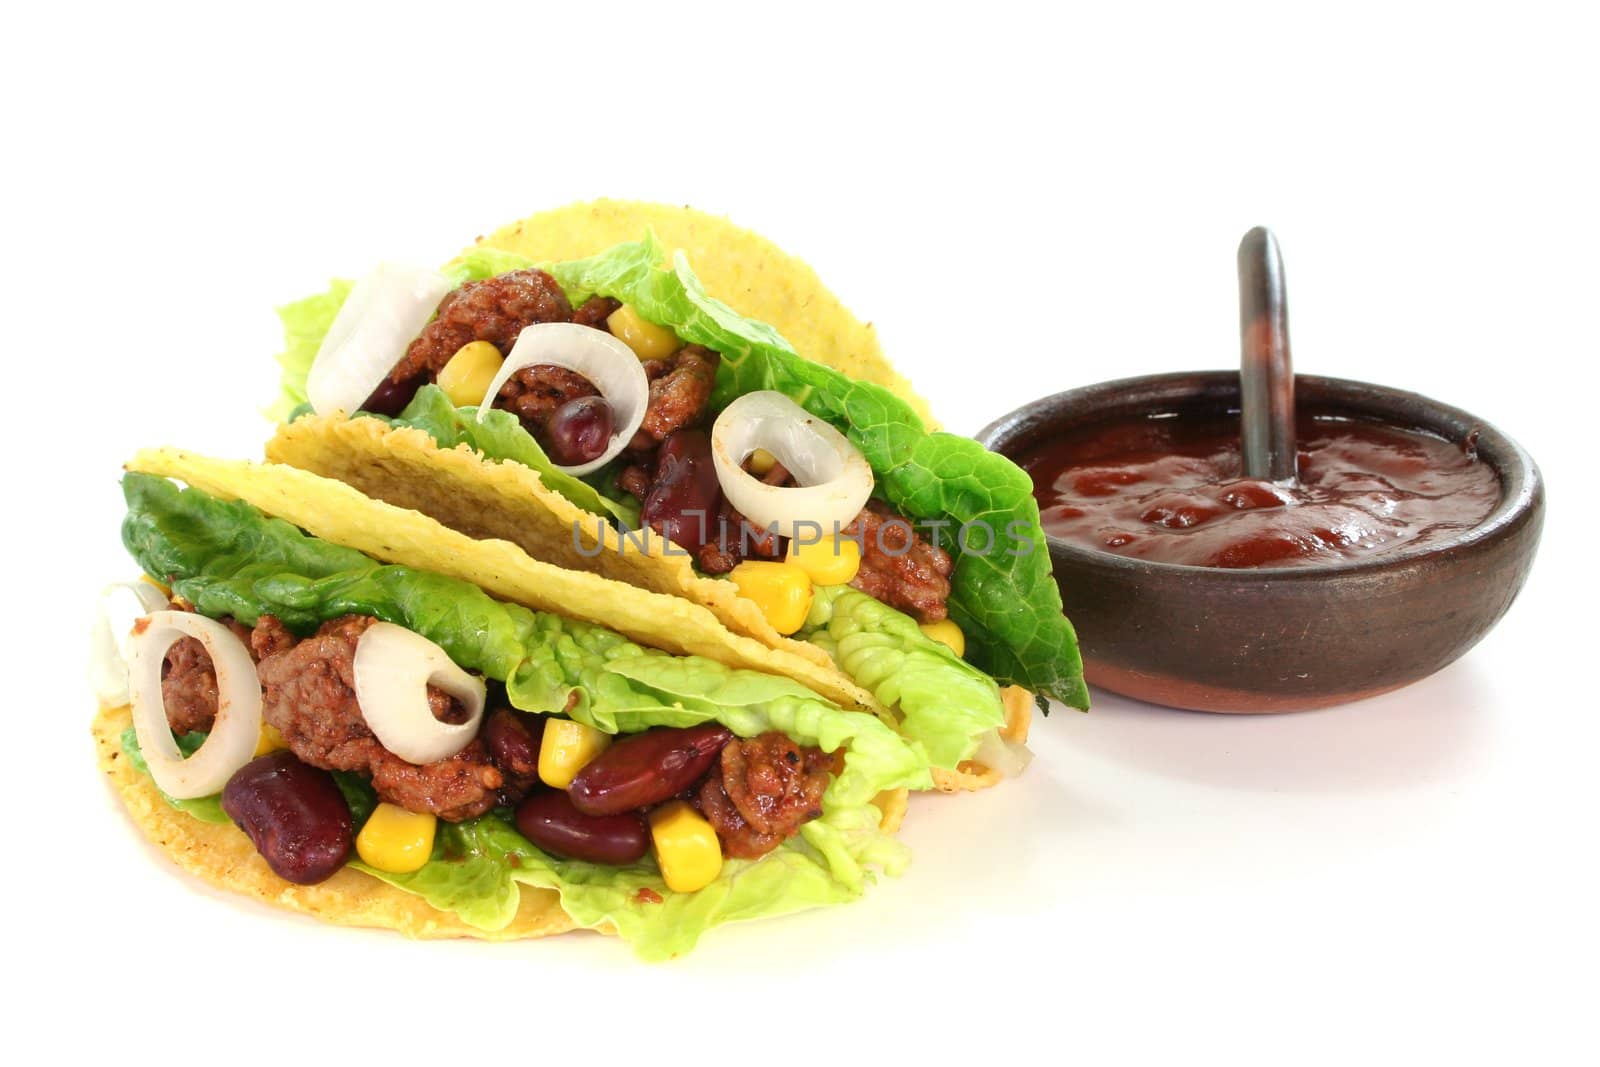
(654, 370)
(403, 749)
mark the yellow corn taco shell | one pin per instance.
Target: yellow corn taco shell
(742, 269)
(335, 512)
(509, 502)
(971, 775)
(221, 855)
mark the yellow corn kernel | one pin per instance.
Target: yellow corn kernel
(946, 632)
(466, 377)
(396, 840)
(829, 561)
(567, 749)
(270, 740)
(760, 462)
(687, 849)
(647, 340)
(781, 590)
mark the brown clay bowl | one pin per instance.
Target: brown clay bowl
(1283, 639)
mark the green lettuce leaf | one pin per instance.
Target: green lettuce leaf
(227, 558)
(305, 323)
(622, 688)
(946, 704)
(358, 796)
(1002, 593)
(476, 865)
(206, 809)
(481, 261)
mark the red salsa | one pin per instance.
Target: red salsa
(1169, 488)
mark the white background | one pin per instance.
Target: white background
(1023, 202)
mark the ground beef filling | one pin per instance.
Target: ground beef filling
(761, 791)
(498, 309)
(189, 682)
(534, 393)
(494, 310)
(595, 311)
(757, 795)
(308, 695)
(680, 391)
(898, 565)
(735, 540)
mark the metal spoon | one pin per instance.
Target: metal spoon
(1266, 373)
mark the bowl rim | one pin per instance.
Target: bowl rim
(1522, 486)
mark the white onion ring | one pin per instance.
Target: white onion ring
(120, 605)
(835, 479)
(382, 315)
(393, 668)
(1002, 754)
(610, 366)
(237, 731)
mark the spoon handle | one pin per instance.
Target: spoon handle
(1266, 373)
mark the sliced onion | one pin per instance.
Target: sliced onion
(393, 668)
(121, 604)
(237, 731)
(610, 366)
(834, 477)
(382, 316)
(1001, 754)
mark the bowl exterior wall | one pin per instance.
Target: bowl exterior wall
(1242, 645)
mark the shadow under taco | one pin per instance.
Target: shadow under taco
(890, 566)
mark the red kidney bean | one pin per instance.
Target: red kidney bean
(647, 768)
(513, 738)
(683, 502)
(390, 398)
(294, 814)
(579, 430)
(549, 820)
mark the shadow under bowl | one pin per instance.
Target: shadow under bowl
(1284, 638)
